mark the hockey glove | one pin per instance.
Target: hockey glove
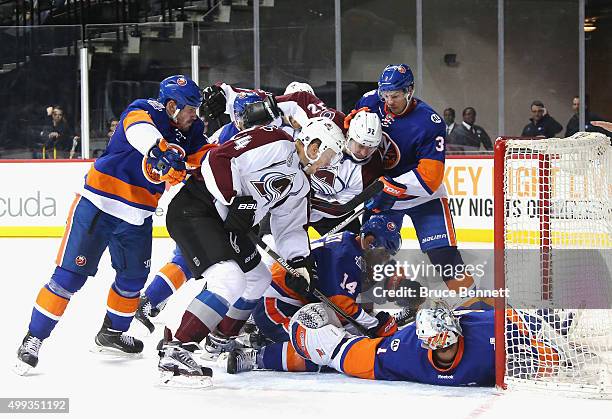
(241, 214)
(385, 199)
(349, 117)
(307, 282)
(166, 162)
(214, 102)
(386, 325)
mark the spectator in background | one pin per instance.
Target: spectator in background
(57, 137)
(112, 125)
(542, 124)
(449, 120)
(468, 136)
(573, 125)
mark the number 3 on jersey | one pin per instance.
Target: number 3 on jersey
(440, 145)
(351, 287)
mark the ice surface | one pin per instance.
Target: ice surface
(105, 387)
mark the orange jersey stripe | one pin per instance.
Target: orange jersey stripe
(431, 172)
(347, 304)
(295, 363)
(119, 304)
(195, 159)
(448, 219)
(50, 302)
(136, 116)
(174, 274)
(359, 360)
(114, 186)
(275, 315)
(62, 248)
(278, 277)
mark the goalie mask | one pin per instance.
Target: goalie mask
(364, 135)
(328, 135)
(437, 328)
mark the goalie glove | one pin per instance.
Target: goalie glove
(307, 281)
(213, 105)
(166, 162)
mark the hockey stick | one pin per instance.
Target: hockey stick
(344, 223)
(357, 200)
(316, 293)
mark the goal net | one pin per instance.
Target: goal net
(553, 224)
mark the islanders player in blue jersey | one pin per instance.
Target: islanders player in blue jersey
(414, 172)
(154, 143)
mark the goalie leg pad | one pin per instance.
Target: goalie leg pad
(312, 335)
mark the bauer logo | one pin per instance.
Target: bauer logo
(80, 260)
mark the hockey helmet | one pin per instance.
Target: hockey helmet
(324, 130)
(181, 89)
(395, 77)
(365, 131)
(386, 233)
(437, 327)
(296, 86)
(240, 106)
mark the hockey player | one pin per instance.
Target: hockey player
(260, 170)
(414, 171)
(359, 166)
(439, 348)
(153, 143)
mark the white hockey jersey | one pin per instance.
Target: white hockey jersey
(262, 162)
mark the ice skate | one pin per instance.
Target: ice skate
(116, 342)
(27, 354)
(216, 344)
(177, 367)
(146, 312)
(241, 360)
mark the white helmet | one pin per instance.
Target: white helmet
(324, 130)
(296, 86)
(437, 327)
(365, 130)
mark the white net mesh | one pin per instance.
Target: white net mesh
(558, 240)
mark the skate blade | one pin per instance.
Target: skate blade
(114, 353)
(21, 368)
(169, 380)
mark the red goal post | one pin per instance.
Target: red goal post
(552, 222)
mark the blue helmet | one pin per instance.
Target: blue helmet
(182, 90)
(386, 233)
(242, 100)
(395, 77)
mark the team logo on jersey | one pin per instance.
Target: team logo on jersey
(181, 81)
(324, 181)
(151, 173)
(395, 343)
(391, 226)
(390, 152)
(435, 118)
(80, 260)
(273, 186)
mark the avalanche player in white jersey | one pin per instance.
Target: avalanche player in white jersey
(360, 165)
(414, 171)
(260, 170)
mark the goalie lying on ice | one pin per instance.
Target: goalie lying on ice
(441, 348)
